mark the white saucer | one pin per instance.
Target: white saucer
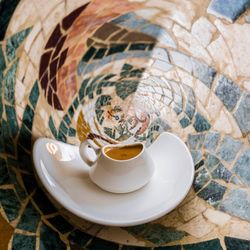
(65, 176)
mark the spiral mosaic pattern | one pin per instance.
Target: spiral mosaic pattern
(121, 71)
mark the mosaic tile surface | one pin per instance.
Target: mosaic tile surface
(125, 70)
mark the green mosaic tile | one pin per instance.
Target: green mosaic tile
(12, 120)
(24, 138)
(67, 119)
(63, 129)
(7, 9)
(14, 42)
(184, 122)
(138, 46)
(88, 54)
(100, 53)
(79, 237)
(34, 95)
(10, 203)
(23, 242)
(24, 159)
(237, 244)
(117, 48)
(201, 179)
(71, 111)
(135, 248)
(2, 60)
(28, 117)
(61, 137)
(9, 83)
(9, 146)
(169, 248)
(4, 175)
(43, 202)
(49, 239)
(82, 88)
(29, 219)
(60, 224)
(159, 234)
(207, 245)
(99, 244)
(72, 132)
(126, 88)
(200, 123)
(52, 127)
(76, 103)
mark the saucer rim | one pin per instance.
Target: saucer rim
(82, 214)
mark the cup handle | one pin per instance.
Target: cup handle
(83, 150)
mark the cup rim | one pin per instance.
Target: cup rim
(122, 145)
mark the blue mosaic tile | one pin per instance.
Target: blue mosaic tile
(195, 141)
(159, 34)
(34, 95)
(237, 203)
(14, 42)
(181, 60)
(10, 203)
(211, 161)
(211, 141)
(23, 242)
(206, 245)
(228, 9)
(60, 224)
(49, 239)
(222, 173)
(159, 234)
(242, 114)
(228, 92)
(184, 122)
(236, 244)
(201, 178)
(9, 83)
(228, 149)
(241, 167)
(99, 244)
(190, 110)
(200, 123)
(160, 53)
(203, 72)
(79, 237)
(12, 120)
(196, 155)
(212, 193)
(236, 180)
(29, 219)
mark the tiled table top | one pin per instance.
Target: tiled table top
(125, 70)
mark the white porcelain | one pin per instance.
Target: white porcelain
(66, 178)
(118, 176)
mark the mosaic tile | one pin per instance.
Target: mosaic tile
(24, 138)
(169, 248)
(52, 127)
(195, 141)
(211, 141)
(241, 167)
(24, 158)
(211, 161)
(242, 114)
(60, 224)
(11, 119)
(14, 42)
(6, 136)
(34, 95)
(29, 183)
(237, 203)
(97, 244)
(7, 9)
(55, 36)
(212, 193)
(222, 173)
(23, 242)
(28, 117)
(2, 60)
(43, 202)
(79, 237)
(228, 92)
(185, 122)
(207, 245)
(200, 123)
(6, 232)
(72, 132)
(29, 219)
(4, 175)
(49, 239)
(9, 83)
(234, 243)
(9, 203)
(201, 179)
(228, 9)
(196, 155)
(228, 149)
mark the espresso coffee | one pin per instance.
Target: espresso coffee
(123, 153)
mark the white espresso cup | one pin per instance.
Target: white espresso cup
(119, 168)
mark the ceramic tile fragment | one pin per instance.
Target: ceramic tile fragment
(233, 243)
(211, 244)
(23, 242)
(217, 217)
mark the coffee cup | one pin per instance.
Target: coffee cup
(120, 168)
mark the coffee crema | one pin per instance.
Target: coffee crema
(123, 153)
